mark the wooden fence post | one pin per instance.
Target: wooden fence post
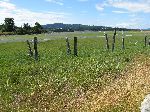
(149, 42)
(107, 44)
(68, 46)
(114, 40)
(30, 50)
(145, 41)
(75, 46)
(123, 41)
(35, 49)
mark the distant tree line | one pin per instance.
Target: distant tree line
(9, 28)
(60, 27)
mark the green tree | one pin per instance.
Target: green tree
(27, 28)
(1, 27)
(9, 25)
(20, 31)
(37, 28)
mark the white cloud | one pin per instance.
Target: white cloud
(134, 22)
(120, 12)
(9, 10)
(5, 0)
(99, 7)
(5, 4)
(131, 6)
(59, 2)
(127, 25)
(132, 15)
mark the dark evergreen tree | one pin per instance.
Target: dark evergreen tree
(20, 31)
(9, 25)
(37, 29)
(26, 28)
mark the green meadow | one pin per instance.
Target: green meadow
(57, 79)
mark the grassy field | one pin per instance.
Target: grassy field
(56, 81)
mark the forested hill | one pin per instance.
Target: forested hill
(78, 27)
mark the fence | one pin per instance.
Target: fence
(75, 49)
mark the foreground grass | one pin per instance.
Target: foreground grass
(57, 80)
(125, 93)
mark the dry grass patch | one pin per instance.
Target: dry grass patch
(124, 94)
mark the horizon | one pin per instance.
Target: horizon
(87, 25)
(133, 14)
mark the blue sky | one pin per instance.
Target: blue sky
(115, 13)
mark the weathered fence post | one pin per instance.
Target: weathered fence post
(145, 41)
(123, 45)
(115, 35)
(114, 40)
(30, 50)
(75, 46)
(149, 42)
(107, 44)
(68, 46)
(35, 49)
